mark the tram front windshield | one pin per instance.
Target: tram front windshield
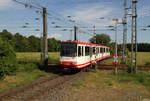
(68, 49)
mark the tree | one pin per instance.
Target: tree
(21, 43)
(8, 60)
(102, 39)
(112, 47)
(7, 36)
(53, 45)
(28, 44)
(34, 43)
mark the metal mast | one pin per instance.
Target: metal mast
(134, 37)
(124, 32)
(45, 44)
(95, 46)
(75, 33)
(94, 34)
(116, 22)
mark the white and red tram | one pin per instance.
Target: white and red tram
(75, 54)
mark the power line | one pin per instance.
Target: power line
(28, 5)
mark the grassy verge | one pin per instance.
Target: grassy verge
(143, 58)
(122, 81)
(140, 77)
(19, 79)
(26, 73)
(107, 78)
(104, 84)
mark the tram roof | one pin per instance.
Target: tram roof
(84, 43)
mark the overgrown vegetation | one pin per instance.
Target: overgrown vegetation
(8, 62)
(29, 67)
(21, 78)
(101, 39)
(147, 63)
(141, 77)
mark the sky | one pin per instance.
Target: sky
(85, 13)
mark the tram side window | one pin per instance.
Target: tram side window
(79, 50)
(82, 51)
(101, 50)
(97, 50)
(93, 50)
(87, 50)
(107, 50)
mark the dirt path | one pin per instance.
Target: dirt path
(45, 89)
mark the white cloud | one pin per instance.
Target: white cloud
(5, 4)
(89, 14)
(56, 36)
(9, 4)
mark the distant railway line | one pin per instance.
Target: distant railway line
(120, 67)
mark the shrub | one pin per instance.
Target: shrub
(8, 60)
(147, 63)
(27, 67)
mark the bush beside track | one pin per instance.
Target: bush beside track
(8, 62)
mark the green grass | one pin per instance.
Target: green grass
(54, 56)
(104, 83)
(139, 78)
(124, 80)
(143, 58)
(36, 56)
(20, 78)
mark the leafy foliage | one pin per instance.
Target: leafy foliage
(141, 47)
(53, 45)
(147, 63)
(112, 48)
(7, 59)
(102, 39)
(29, 67)
(28, 44)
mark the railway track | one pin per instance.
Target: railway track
(120, 67)
(37, 89)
